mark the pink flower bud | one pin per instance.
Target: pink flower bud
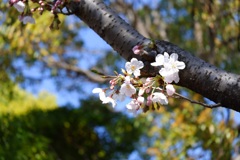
(11, 2)
(137, 49)
(141, 91)
(140, 100)
(148, 90)
(170, 89)
(149, 100)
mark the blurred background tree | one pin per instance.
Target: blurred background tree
(36, 128)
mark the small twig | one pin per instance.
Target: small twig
(108, 77)
(176, 95)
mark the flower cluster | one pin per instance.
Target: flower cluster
(145, 93)
(170, 66)
(55, 7)
(26, 15)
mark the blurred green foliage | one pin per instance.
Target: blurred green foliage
(189, 129)
(91, 131)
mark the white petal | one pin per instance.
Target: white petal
(102, 94)
(139, 65)
(154, 64)
(128, 67)
(160, 59)
(19, 6)
(166, 57)
(137, 73)
(132, 106)
(180, 65)
(170, 89)
(127, 80)
(176, 78)
(97, 90)
(133, 59)
(140, 100)
(141, 91)
(28, 19)
(160, 97)
(119, 97)
(164, 72)
(174, 57)
(109, 100)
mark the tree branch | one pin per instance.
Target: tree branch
(176, 95)
(211, 82)
(91, 76)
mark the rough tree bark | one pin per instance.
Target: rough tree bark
(199, 76)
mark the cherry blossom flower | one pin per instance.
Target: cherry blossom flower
(140, 100)
(170, 89)
(134, 67)
(173, 63)
(127, 88)
(109, 100)
(119, 96)
(169, 75)
(101, 92)
(19, 6)
(141, 91)
(161, 59)
(28, 19)
(103, 98)
(159, 97)
(171, 66)
(145, 88)
(133, 106)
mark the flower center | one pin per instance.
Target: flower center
(133, 68)
(128, 86)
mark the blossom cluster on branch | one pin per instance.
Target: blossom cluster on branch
(26, 13)
(145, 93)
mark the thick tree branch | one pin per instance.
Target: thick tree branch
(108, 25)
(211, 82)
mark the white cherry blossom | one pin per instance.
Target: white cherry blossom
(145, 89)
(127, 88)
(101, 93)
(174, 64)
(103, 97)
(133, 106)
(161, 59)
(134, 66)
(109, 100)
(170, 89)
(169, 75)
(140, 100)
(159, 97)
(19, 6)
(28, 19)
(118, 96)
(171, 66)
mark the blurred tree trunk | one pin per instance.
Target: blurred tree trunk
(211, 82)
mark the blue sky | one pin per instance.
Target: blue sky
(92, 42)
